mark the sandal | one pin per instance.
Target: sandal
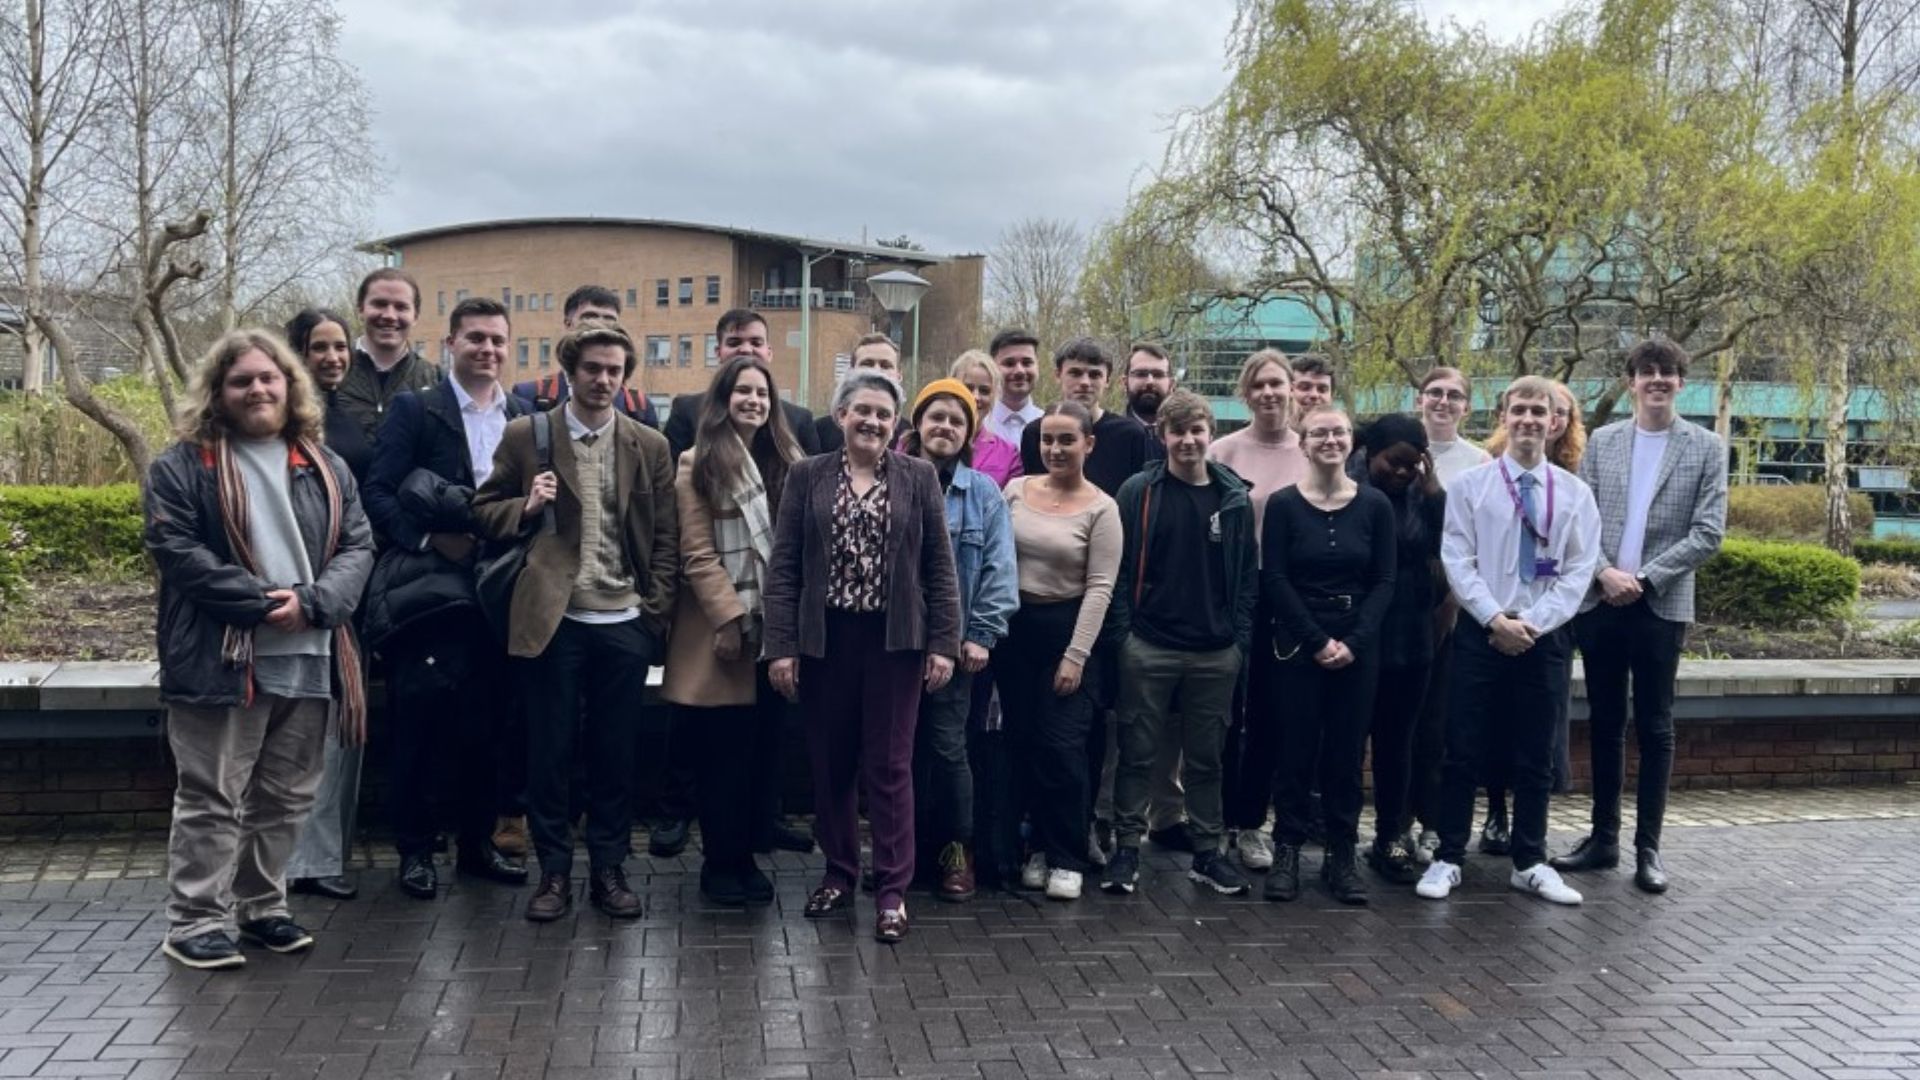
(891, 926)
(825, 901)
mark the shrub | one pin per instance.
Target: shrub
(44, 440)
(1796, 512)
(1893, 552)
(74, 528)
(1760, 581)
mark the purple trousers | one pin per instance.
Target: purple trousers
(861, 704)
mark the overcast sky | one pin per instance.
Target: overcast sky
(943, 119)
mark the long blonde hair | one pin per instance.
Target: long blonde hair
(200, 418)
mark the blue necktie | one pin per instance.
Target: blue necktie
(1528, 551)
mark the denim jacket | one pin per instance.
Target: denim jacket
(983, 556)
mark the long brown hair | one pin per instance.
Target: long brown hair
(201, 418)
(717, 449)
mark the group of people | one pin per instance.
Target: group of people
(1027, 638)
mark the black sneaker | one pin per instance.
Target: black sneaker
(1342, 878)
(1217, 872)
(1283, 881)
(210, 951)
(668, 838)
(276, 933)
(1123, 871)
(1393, 860)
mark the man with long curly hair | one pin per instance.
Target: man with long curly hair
(262, 548)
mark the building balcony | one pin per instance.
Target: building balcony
(818, 299)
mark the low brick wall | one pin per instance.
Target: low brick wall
(123, 784)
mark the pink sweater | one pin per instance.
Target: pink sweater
(1266, 467)
(996, 457)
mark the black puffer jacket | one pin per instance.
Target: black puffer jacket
(203, 590)
(410, 584)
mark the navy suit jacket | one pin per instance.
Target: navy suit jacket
(422, 430)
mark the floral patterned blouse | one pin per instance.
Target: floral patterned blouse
(857, 572)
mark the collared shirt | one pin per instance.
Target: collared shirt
(484, 425)
(1480, 548)
(857, 568)
(1008, 423)
(578, 431)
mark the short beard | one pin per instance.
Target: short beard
(1146, 404)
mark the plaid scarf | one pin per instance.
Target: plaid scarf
(236, 646)
(745, 543)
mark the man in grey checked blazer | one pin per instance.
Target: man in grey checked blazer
(1661, 483)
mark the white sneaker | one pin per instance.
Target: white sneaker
(1439, 880)
(1063, 885)
(1034, 874)
(1544, 882)
(1428, 847)
(1256, 849)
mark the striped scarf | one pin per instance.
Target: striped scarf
(236, 647)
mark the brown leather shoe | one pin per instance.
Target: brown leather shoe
(891, 927)
(553, 900)
(511, 838)
(609, 892)
(956, 873)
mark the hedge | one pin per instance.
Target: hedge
(73, 528)
(1796, 512)
(1897, 552)
(1761, 581)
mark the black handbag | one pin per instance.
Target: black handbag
(497, 576)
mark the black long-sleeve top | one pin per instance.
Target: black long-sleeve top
(1406, 634)
(1310, 557)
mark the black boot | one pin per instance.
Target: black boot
(1283, 881)
(1342, 878)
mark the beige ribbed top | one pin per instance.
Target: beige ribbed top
(1063, 556)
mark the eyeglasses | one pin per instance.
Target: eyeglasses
(1323, 434)
(1435, 393)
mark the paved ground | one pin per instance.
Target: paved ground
(1787, 948)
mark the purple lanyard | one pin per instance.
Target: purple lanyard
(1513, 492)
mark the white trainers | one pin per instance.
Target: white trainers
(1256, 849)
(1034, 874)
(1063, 885)
(1544, 882)
(1439, 880)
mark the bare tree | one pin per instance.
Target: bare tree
(1033, 278)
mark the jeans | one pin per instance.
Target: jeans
(1323, 736)
(1151, 679)
(1499, 709)
(1622, 644)
(942, 772)
(1397, 703)
(1046, 732)
(607, 662)
(247, 776)
(325, 839)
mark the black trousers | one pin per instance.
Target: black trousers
(447, 696)
(1252, 752)
(1397, 703)
(1047, 734)
(1430, 738)
(1323, 737)
(1622, 646)
(737, 770)
(1500, 708)
(606, 663)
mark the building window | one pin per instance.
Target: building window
(441, 296)
(520, 302)
(633, 298)
(506, 297)
(546, 302)
(546, 352)
(686, 350)
(661, 297)
(459, 296)
(686, 290)
(659, 350)
(713, 350)
(522, 350)
(713, 288)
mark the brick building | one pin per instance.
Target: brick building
(674, 279)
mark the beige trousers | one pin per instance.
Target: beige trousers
(247, 778)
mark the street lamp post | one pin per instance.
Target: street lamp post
(899, 292)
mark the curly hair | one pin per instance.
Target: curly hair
(201, 418)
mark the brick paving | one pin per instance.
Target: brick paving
(1787, 949)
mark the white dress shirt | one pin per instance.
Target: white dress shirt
(1008, 423)
(1481, 546)
(484, 424)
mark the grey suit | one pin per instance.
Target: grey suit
(1685, 523)
(1639, 643)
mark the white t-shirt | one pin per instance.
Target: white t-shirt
(1648, 448)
